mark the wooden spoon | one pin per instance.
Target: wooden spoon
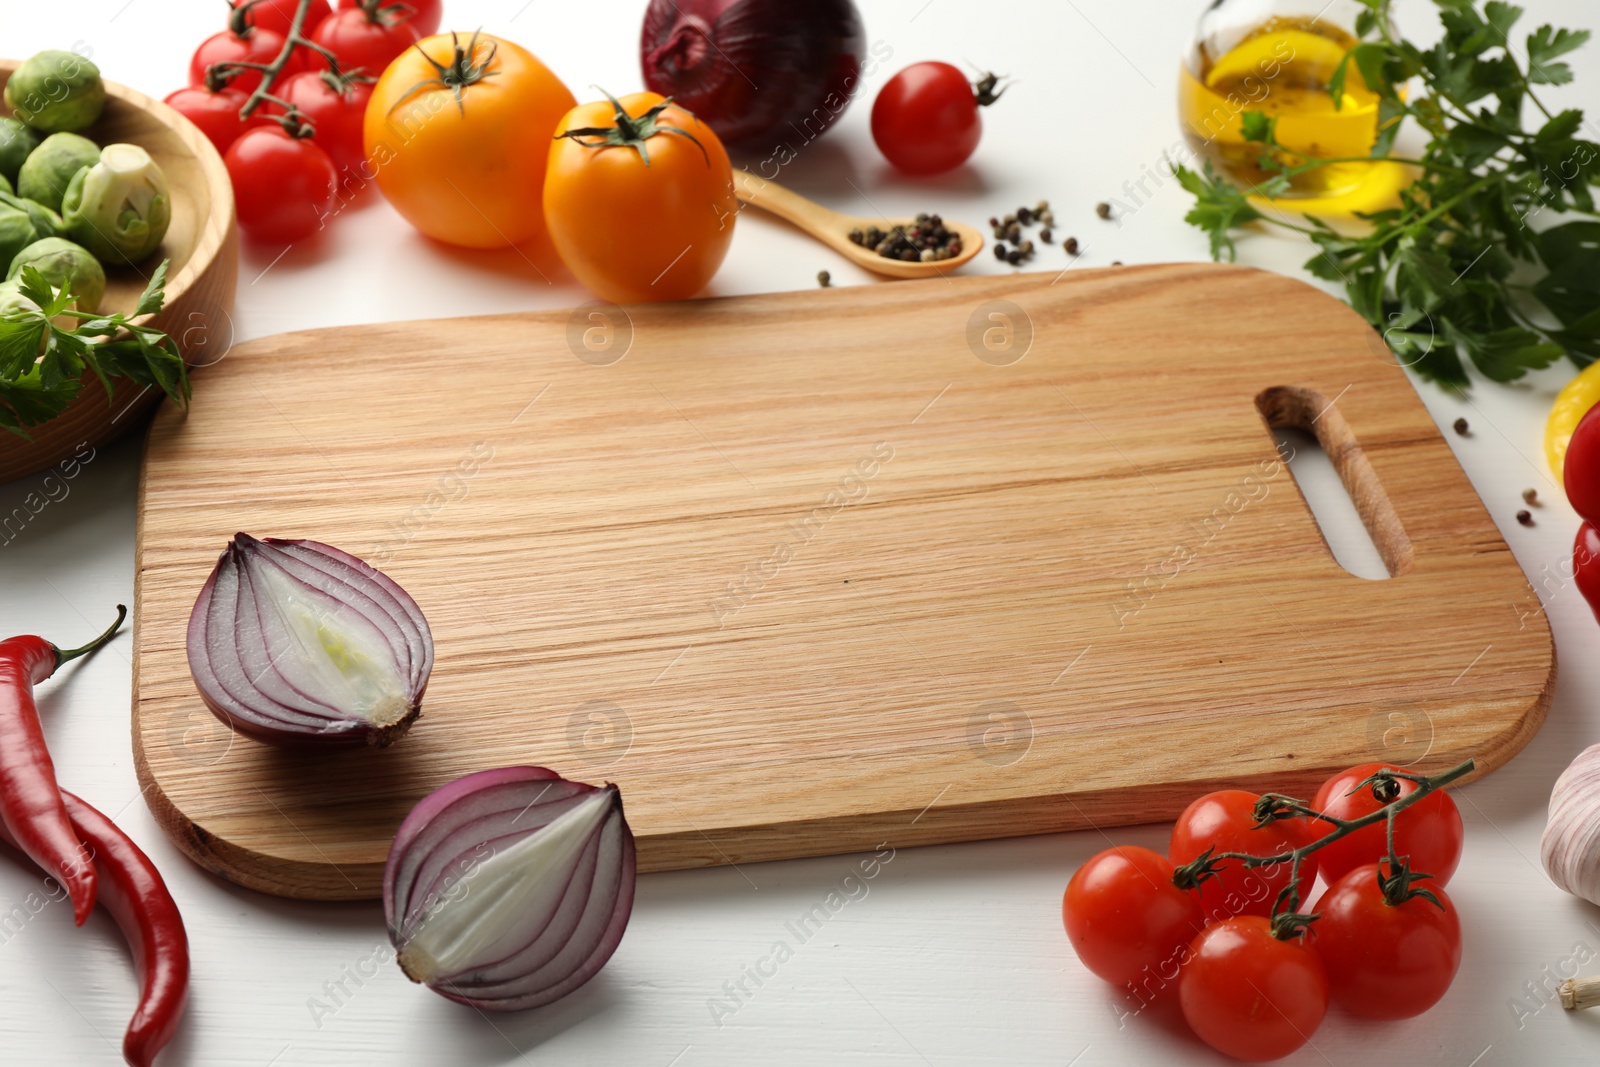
(833, 229)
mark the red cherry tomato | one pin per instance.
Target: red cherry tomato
(283, 186)
(425, 15)
(1223, 821)
(278, 15)
(1249, 995)
(335, 113)
(926, 121)
(216, 114)
(256, 45)
(1580, 470)
(1386, 961)
(1128, 923)
(1429, 832)
(1586, 564)
(366, 39)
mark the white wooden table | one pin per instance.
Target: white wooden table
(951, 955)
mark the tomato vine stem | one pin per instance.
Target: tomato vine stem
(292, 121)
(1287, 919)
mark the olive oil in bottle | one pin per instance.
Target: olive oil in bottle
(1281, 67)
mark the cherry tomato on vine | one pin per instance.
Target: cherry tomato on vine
(283, 187)
(1386, 961)
(254, 45)
(926, 120)
(466, 169)
(215, 113)
(424, 14)
(1249, 995)
(632, 232)
(1223, 821)
(278, 15)
(367, 37)
(1429, 832)
(1128, 923)
(335, 107)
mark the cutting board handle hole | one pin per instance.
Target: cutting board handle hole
(1352, 511)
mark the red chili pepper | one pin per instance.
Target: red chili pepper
(132, 891)
(30, 800)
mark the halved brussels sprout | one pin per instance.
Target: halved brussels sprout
(64, 264)
(48, 170)
(120, 207)
(56, 91)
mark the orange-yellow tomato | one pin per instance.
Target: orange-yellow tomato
(634, 232)
(457, 136)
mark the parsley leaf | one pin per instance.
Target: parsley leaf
(1435, 275)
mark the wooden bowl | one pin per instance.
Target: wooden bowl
(203, 244)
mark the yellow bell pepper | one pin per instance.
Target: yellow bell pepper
(1571, 405)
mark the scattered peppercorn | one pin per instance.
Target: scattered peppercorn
(824, 279)
(994, 222)
(1530, 496)
(1071, 245)
(1014, 257)
(1116, 262)
(1103, 209)
(1525, 517)
(1014, 233)
(927, 240)
(1042, 207)
(1461, 427)
(1000, 251)
(1046, 236)
(1024, 216)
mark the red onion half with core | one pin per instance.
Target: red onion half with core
(761, 73)
(296, 643)
(509, 888)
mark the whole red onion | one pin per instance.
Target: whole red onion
(758, 72)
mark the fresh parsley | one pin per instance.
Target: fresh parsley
(43, 364)
(1466, 265)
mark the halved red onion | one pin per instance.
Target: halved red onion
(510, 888)
(297, 643)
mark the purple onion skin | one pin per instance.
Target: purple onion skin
(398, 903)
(336, 733)
(761, 73)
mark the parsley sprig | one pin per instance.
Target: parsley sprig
(43, 364)
(1467, 265)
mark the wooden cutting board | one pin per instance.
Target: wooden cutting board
(813, 572)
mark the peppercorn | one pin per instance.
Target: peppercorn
(1103, 209)
(1525, 517)
(1045, 235)
(1461, 427)
(1071, 245)
(1047, 218)
(1530, 496)
(824, 279)
(1026, 248)
(1116, 262)
(1000, 251)
(1042, 208)
(1008, 220)
(1024, 216)
(857, 237)
(1014, 257)
(994, 222)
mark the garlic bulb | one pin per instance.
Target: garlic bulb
(1571, 843)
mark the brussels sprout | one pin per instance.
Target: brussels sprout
(16, 232)
(64, 264)
(6, 187)
(16, 141)
(119, 208)
(45, 222)
(56, 91)
(48, 170)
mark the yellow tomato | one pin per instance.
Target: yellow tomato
(1571, 405)
(639, 199)
(457, 136)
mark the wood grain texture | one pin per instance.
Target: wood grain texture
(202, 243)
(1075, 589)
